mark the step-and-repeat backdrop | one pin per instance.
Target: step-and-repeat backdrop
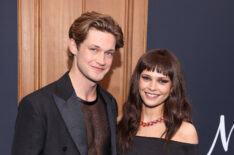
(8, 73)
(201, 34)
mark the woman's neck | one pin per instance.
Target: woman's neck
(149, 114)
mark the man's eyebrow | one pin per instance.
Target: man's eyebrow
(111, 50)
(96, 46)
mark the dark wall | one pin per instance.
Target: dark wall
(8, 75)
(201, 34)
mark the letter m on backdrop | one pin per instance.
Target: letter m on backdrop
(222, 132)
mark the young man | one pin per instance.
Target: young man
(74, 115)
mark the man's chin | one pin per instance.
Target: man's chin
(96, 79)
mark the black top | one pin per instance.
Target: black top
(50, 122)
(97, 125)
(156, 146)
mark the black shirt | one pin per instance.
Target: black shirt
(156, 146)
(97, 125)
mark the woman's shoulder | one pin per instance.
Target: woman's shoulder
(186, 133)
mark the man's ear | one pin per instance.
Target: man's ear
(72, 46)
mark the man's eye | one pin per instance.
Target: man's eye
(93, 49)
(109, 53)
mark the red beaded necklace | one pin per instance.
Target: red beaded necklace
(146, 124)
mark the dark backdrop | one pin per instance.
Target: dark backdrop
(201, 34)
(8, 72)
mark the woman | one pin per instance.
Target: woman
(157, 115)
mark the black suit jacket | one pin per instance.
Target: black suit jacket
(50, 123)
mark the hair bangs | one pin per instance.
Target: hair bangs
(157, 62)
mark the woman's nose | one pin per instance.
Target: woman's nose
(153, 86)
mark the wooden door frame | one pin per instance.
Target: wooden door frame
(30, 52)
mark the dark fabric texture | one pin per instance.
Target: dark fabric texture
(50, 123)
(98, 130)
(156, 146)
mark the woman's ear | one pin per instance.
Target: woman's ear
(171, 89)
(72, 46)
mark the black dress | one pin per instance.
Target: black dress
(156, 146)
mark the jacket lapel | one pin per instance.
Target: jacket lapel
(71, 113)
(111, 112)
(73, 118)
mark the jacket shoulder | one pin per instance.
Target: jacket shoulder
(41, 93)
(106, 93)
(112, 99)
(62, 86)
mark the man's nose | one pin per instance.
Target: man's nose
(101, 58)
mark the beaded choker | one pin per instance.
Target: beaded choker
(146, 124)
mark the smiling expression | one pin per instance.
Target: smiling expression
(95, 55)
(154, 88)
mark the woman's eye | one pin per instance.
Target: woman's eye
(145, 78)
(163, 81)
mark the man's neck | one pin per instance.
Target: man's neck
(84, 88)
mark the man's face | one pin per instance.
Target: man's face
(95, 55)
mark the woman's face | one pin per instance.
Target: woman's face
(154, 88)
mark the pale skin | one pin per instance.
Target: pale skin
(154, 88)
(92, 61)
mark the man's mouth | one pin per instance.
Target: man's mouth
(98, 68)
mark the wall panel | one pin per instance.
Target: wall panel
(56, 18)
(43, 39)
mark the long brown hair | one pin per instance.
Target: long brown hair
(176, 108)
